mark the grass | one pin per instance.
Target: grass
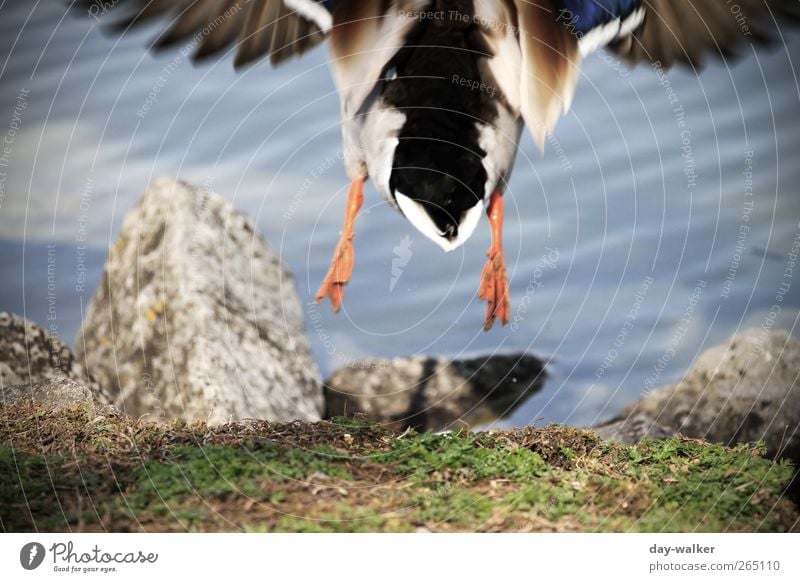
(80, 470)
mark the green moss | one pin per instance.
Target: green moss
(220, 470)
(465, 455)
(52, 491)
(343, 518)
(451, 505)
(709, 487)
(72, 471)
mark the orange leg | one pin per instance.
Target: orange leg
(343, 257)
(494, 279)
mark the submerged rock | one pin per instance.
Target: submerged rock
(52, 393)
(432, 393)
(196, 318)
(28, 354)
(745, 390)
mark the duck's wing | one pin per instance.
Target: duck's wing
(669, 31)
(533, 60)
(535, 46)
(275, 28)
(366, 35)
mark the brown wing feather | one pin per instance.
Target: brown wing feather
(192, 18)
(226, 33)
(550, 61)
(687, 30)
(261, 27)
(365, 37)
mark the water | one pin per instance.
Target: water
(631, 241)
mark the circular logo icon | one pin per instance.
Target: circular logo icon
(31, 555)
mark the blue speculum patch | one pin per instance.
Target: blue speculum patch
(587, 14)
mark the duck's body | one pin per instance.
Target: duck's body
(435, 93)
(435, 153)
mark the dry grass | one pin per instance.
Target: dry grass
(85, 470)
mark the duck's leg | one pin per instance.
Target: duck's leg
(494, 279)
(343, 257)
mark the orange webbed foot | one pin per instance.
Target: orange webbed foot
(341, 268)
(494, 279)
(339, 274)
(494, 289)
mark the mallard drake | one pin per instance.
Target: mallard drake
(435, 93)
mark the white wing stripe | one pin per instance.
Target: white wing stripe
(610, 31)
(313, 11)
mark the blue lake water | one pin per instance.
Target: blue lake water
(659, 220)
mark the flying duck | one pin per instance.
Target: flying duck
(435, 93)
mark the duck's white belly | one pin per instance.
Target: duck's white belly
(370, 139)
(500, 141)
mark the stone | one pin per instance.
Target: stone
(196, 318)
(8, 377)
(29, 353)
(52, 393)
(745, 390)
(429, 393)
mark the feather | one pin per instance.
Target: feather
(682, 31)
(534, 62)
(367, 35)
(275, 28)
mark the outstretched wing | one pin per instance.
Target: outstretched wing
(366, 36)
(671, 31)
(536, 45)
(275, 28)
(534, 61)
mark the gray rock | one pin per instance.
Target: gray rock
(432, 393)
(28, 354)
(196, 318)
(8, 377)
(52, 393)
(745, 390)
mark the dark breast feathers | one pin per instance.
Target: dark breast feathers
(437, 82)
